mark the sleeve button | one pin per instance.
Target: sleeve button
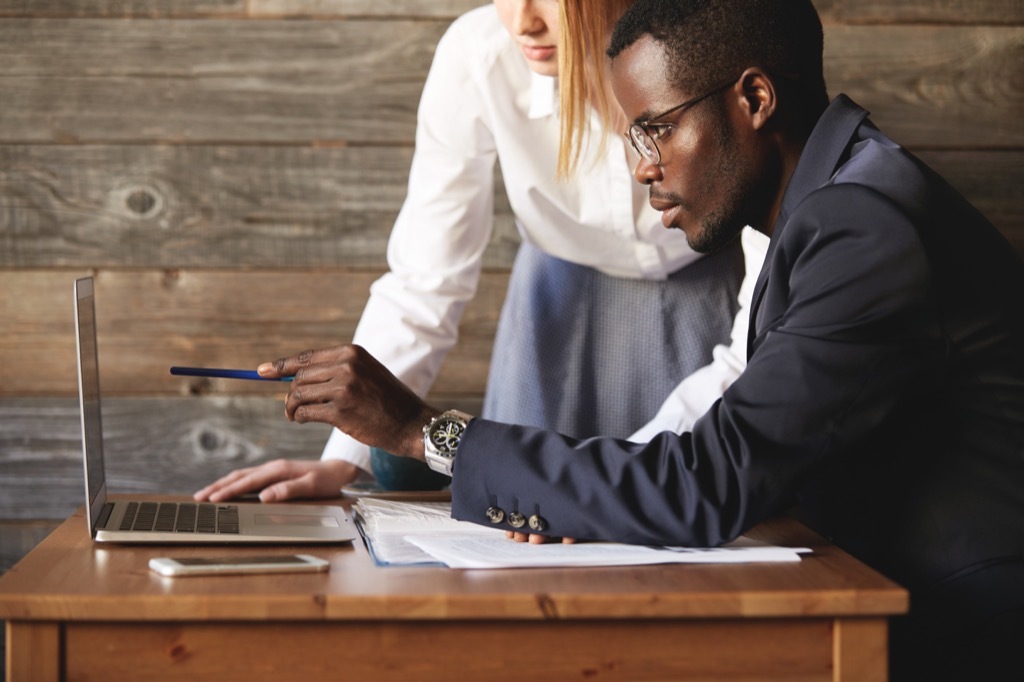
(495, 514)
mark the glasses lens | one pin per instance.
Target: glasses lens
(643, 144)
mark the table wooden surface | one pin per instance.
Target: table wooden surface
(76, 610)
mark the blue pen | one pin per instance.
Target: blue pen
(250, 374)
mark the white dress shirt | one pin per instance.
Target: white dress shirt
(482, 104)
(695, 394)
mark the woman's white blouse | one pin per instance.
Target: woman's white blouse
(480, 105)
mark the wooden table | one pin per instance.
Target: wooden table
(76, 610)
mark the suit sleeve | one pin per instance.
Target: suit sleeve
(844, 336)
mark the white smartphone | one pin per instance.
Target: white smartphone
(261, 563)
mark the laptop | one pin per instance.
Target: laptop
(149, 521)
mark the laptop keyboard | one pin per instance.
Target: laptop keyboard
(180, 517)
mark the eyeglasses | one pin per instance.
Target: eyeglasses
(644, 134)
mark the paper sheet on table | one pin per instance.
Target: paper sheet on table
(475, 551)
(423, 533)
(385, 523)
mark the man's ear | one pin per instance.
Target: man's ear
(759, 97)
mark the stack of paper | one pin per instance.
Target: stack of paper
(418, 533)
(385, 525)
(488, 552)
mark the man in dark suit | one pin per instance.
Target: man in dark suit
(884, 389)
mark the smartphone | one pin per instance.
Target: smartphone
(373, 489)
(199, 565)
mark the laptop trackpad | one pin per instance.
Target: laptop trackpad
(295, 520)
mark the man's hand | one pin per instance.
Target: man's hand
(348, 388)
(283, 479)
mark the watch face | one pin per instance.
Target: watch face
(445, 435)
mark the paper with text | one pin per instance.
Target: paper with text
(423, 533)
(474, 551)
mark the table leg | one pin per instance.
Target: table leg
(860, 650)
(33, 651)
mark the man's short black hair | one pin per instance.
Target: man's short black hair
(710, 41)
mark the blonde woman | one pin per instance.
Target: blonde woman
(606, 310)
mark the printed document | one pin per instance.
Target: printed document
(423, 533)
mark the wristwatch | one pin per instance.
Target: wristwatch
(441, 438)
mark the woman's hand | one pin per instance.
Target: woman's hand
(283, 479)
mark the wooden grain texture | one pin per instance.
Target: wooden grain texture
(18, 537)
(780, 650)
(188, 206)
(236, 8)
(237, 80)
(150, 320)
(335, 8)
(105, 583)
(285, 207)
(931, 86)
(244, 81)
(43, 640)
(920, 11)
(860, 649)
(710, 622)
(831, 11)
(151, 445)
(121, 8)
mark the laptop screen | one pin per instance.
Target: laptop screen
(89, 389)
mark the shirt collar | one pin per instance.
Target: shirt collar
(543, 96)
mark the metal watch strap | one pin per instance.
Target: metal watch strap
(441, 438)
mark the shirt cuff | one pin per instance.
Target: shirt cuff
(345, 447)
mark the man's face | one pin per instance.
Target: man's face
(703, 181)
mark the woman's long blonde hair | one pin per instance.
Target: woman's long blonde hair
(585, 28)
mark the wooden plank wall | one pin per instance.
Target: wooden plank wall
(229, 171)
